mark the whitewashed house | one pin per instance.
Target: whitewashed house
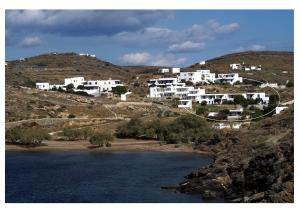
(221, 126)
(162, 82)
(202, 62)
(42, 85)
(76, 81)
(163, 70)
(235, 114)
(102, 85)
(124, 96)
(280, 109)
(175, 70)
(236, 66)
(198, 76)
(230, 78)
(273, 85)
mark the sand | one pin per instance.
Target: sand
(116, 145)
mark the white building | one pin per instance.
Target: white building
(163, 70)
(102, 85)
(235, 114)
(76, 81)
(273, 85)
(124, 96)
(230, 78)
(280, 109)
(162, 82)
(175, 70)
(202, 63)
(198, 76)
(221, 126)
(236, 66)
(42, 85)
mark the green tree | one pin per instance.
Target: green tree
(119, 90)
(70, 87)
(290, 84)
(71, 115)
(101, 139)
(240, 100)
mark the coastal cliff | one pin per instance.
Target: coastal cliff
(245, 171)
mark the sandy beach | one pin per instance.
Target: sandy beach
(116, 145)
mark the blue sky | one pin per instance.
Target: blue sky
(147, 37)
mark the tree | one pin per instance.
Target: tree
(273, 99)
(101, 139)
(201, 110)
(119, 90)
(240, 100)
(69, 87)
(203, 103)
(290, 84)
(71, 116)
(54, 88)
(81, 87)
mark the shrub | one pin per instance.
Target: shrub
(290, 84)
(240, 100)
(119, 90)
(69, 87)
(81, 87)
(101, 139)
(201, 110)
(77, 134)
(30, 137)
(71, 116)
(204, 103)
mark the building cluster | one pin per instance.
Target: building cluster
(91, 87)
(177, 88)
(244, 67)
(167, 70)
(204, 76)
(87, 54)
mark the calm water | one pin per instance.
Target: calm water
(98, 177)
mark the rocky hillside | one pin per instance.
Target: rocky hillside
(255, 166)
(54, 68)
(276, 66)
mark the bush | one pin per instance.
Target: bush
(119, 90)
(81, 87)
(201, 110)
(101, 139)
(69, 87)
(290, 84)
(30, 137)
(71, 116)
(240, 100)
(77, 134)
(204, 103)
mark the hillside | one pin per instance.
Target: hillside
(273, 64)
(54, 68)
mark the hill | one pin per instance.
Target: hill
(276, 66)
(54, 68)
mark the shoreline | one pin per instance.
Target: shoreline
(118, 145)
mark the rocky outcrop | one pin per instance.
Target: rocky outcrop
(244, 173)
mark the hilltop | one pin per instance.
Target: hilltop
(54, 68)
(276, 66)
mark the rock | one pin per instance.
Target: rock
(256, 197)
(209, 195)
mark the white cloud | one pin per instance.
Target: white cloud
(145, 58)
(254, 47)
(196, 35)
(187, 46)
(257, 47)
(136, 58)
(29, 42)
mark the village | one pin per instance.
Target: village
(187, 91)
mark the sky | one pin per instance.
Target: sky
(147, 37)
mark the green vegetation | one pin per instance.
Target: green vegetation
(290, 84)
(241, 100)
(70, 87)
(71, 116)
(201, 110)
(28, 137)
(77, 134)
(80, 87)
(101, 139)
(184, 129)
(119, 90)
